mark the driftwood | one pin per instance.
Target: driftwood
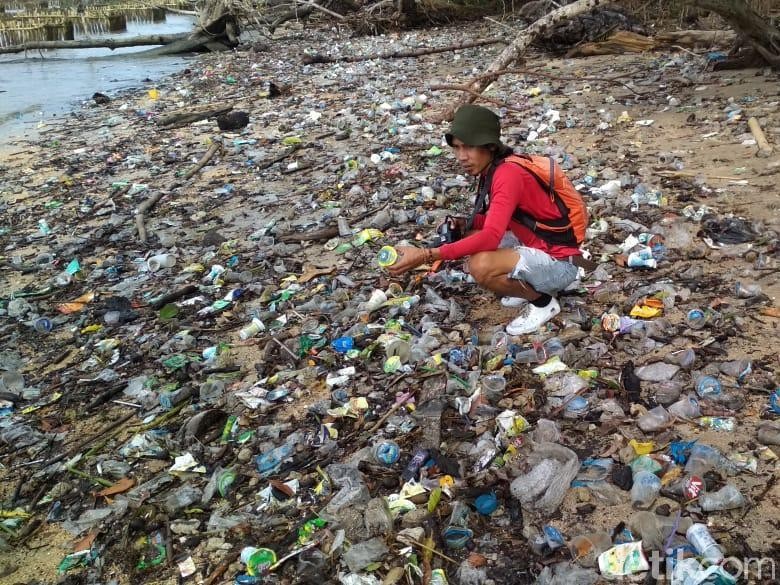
(515, 49)
(618, 42)
(190, 44)
(140, 215)
(317, 58)
(323, 234)
(764, 148)
(322, 9)
(265, 164)
(96, 43)
(172, 296)
(146, 206)
(630, 42)
(290, 15)
(216, 146)
(179, 118)
(691, 38)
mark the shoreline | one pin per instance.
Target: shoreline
(72, 76)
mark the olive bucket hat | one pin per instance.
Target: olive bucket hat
(475, 126)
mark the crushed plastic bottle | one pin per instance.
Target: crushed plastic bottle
(726, 498)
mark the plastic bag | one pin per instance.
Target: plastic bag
(543, 488)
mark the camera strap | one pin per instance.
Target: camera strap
(481, 201)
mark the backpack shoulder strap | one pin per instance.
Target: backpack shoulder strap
(483, 191)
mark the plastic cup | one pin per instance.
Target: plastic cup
(586, 548)
(255, 327)
(160, 261)
(12, 381)
(493, 387)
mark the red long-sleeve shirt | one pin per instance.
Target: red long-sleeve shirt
(512, 187)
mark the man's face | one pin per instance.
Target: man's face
(473, 159)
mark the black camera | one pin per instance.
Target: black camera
(447, 232)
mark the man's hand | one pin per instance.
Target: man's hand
(409, 258)
(459, 223)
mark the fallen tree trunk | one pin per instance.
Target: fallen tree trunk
(96, 43)
(513, 51)
(758, 29)
(629, 42)
(318, 58)
(619, 42)
(191, 44)
(691, 38)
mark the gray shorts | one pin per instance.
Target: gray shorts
(542, 272)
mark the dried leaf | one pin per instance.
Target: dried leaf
(282, 488)
(86, 542)
(119, 487)
(312, 272)
(76, 305)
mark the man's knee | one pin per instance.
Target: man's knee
(480, 266)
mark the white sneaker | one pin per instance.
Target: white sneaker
(533, 317)
(513, 302)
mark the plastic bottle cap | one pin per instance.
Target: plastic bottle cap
(387, 256)
(387, 452)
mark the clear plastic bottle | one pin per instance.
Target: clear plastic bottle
(645, 489)
(685, 358)
(686, 407)
(726, 498)
(746, 291)
(701, 539)
(656, 419)
(703, 458)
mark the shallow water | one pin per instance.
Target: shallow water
(39, 88)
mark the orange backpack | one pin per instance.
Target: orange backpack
(569, 230)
